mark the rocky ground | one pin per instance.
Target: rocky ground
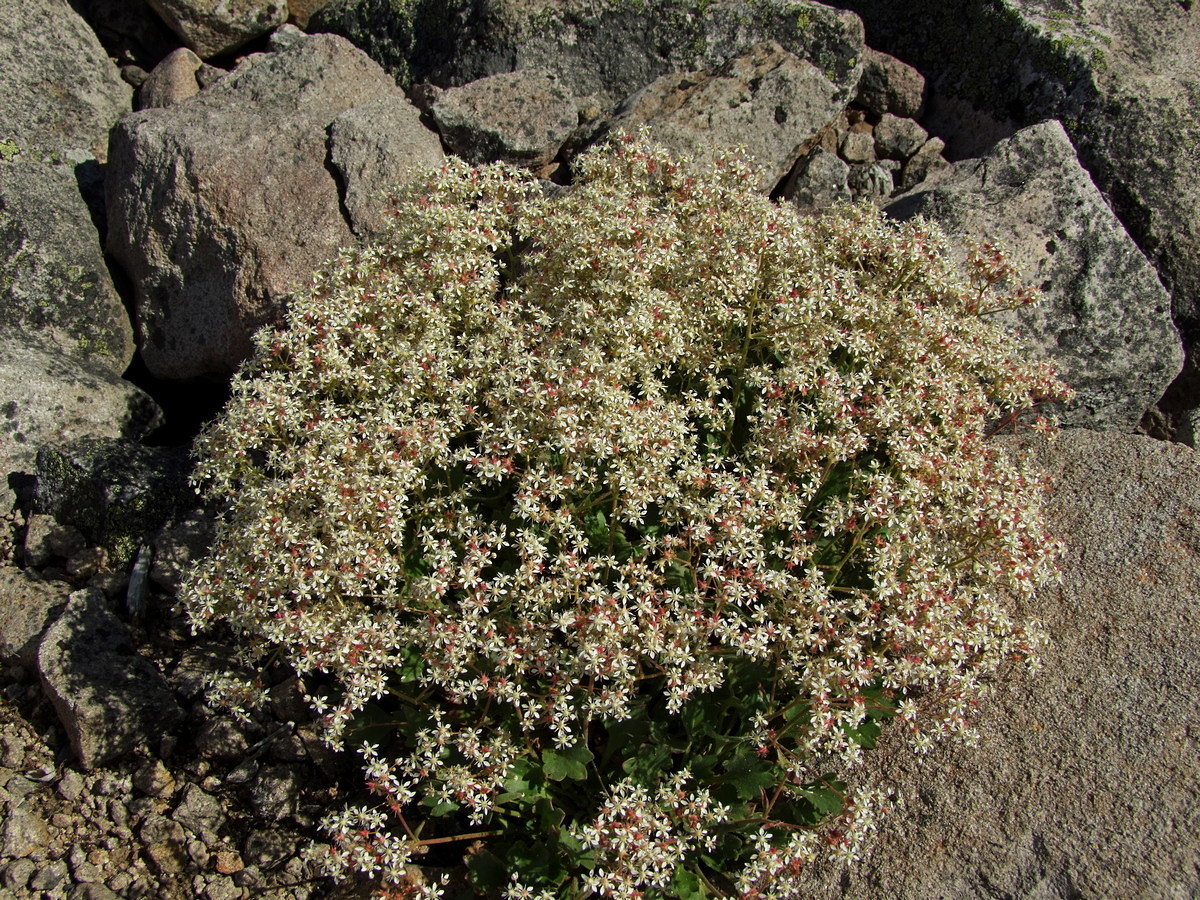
(1068, 130)
(218, 808)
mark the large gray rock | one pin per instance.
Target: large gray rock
(767, 101)
(601, 52)
(820, 182)
(109, 698)
(1106, 319)
(221, 205)
(522, 118)
(1086, 780)
(116, 493)
(888, 85)
(27, 607)
(59, 94)
(213, 27)
(374, 146)
(1121, 77)
(50, 396)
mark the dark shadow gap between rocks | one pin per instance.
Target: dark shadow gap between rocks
(187, 405)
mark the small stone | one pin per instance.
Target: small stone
(267, 848)
(222, 738)
(248, 877)
(285, 37)
(520, 117)
(134, 76)
(275, 792)
(176, 546)
(87, 563)
(888, 85)
(199, 812)
(109, 697)
(212, 29)
(287, 701)
(167, 858)
(821, 183)
(91, 891)
(23, 832)
(154, 779)
(17, 874)
(119, 882)
(87, 873)
(229, 862)
(28, 606)
(62, 821)
(112, 785)
(159, 829)
(49, 876)
(897, 138)
(857, 147)
(870, 182)
(118, 813)
(222, 889)
(172, 81)
(926, 162)
(70, 786)
(208, 75)
(12, 752)
(198, 853)
(46, 539)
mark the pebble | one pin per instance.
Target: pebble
(222, 889)
(154, 779)
(70, 786)
(49, 876)
(229, 862)
(17, 874)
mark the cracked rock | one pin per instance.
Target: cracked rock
(243, 169)
(108, 697)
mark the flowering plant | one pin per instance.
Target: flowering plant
(613, 519)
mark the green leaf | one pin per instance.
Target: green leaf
(679, 577)
(648, 764)
(549, 816)
(623, 735)
(570, 763)
(533, 861)
(412, 665)
(749, 774)
(865, 733)
(373, 724)
(826, 796)
(524, 783)
(697, 717)
(881, 705)
(687, 885)
(702, 767)
(579, 855)
(442, 808)
(487, 871)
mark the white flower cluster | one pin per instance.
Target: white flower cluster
(639, 836)
(537, 450)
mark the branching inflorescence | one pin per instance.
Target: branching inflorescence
(613, 519)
